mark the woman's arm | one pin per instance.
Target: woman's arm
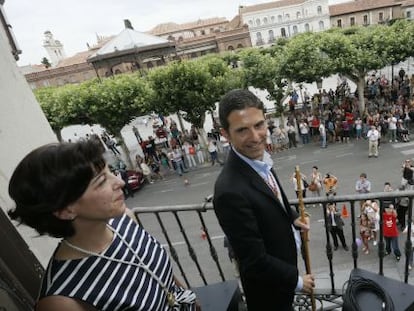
(62, 303)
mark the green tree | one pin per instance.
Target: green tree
(303, 60)
(262, 71)
(355, 51)
(191, 88)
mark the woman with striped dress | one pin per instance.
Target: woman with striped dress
(105, 260)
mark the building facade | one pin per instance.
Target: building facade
(189, 40)
(364, 12)
(283, 19)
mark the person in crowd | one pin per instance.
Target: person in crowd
(322, 134)
(402, 132)
(111, 144)
(253, 210)
(291, 132)
(105, 260)
(315, 184)
(199, 152)
(373, 135)
(330, 182)
(365, 232)
(302, 183)
(304, 132)
(177, 158)
(225, 146)
(372, 210)
(189, 153)
(212, 149)
(389, 227)
(335, 225)
(405, 231)
(402, 205)
(407, 180)
(358, 128)
(362, 185)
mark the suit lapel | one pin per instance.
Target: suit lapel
(256, 180)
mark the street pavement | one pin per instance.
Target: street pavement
(344, 160)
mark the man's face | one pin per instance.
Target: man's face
(247, 132)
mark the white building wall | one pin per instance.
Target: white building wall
(303, 17)
(23, 127)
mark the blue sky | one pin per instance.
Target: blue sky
(76, 23)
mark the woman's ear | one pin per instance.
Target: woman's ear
(65, 214)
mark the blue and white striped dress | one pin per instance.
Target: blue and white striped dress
(112, 285)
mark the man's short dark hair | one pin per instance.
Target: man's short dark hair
(237, 99)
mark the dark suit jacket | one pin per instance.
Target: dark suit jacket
(259, 230)
(338, 220)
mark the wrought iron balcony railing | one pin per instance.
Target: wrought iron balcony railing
(195, 240)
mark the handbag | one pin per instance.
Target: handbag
(313, 186)
(305, 183)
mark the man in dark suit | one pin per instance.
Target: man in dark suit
(253, 210)
(335, 226)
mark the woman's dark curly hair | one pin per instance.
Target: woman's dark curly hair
(49, 179)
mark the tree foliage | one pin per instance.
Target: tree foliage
(192, 87)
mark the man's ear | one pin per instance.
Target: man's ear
(65, 214)
(224, 133)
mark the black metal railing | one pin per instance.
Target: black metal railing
(202, 259)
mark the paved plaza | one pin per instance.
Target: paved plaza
(344, 160)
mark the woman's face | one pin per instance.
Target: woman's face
(103, 199)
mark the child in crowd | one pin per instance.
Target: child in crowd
(330, 182)
(365, 232)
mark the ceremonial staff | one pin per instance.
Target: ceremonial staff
(305, 239)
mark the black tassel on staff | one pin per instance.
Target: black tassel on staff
(305, 238)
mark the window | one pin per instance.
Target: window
(230, 48)
(259, 40)
(321, 25)
(319, 10)
(295, 29)
(283, 32)
(279, 18)
(272, 19)
(250, 23)
(265, 21)
(239, 46)
(365, 19)
(307, 28)
(339, 23)
(271, 36)
(258, 22)
(287, 16)
(202, 32)
(352, 21)
(298, 15)
(381, 16)
(408, 14)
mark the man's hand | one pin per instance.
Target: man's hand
(303, 225)
(308, 283)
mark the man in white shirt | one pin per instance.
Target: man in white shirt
(392, 128)
(322, 134)
(373, 136)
